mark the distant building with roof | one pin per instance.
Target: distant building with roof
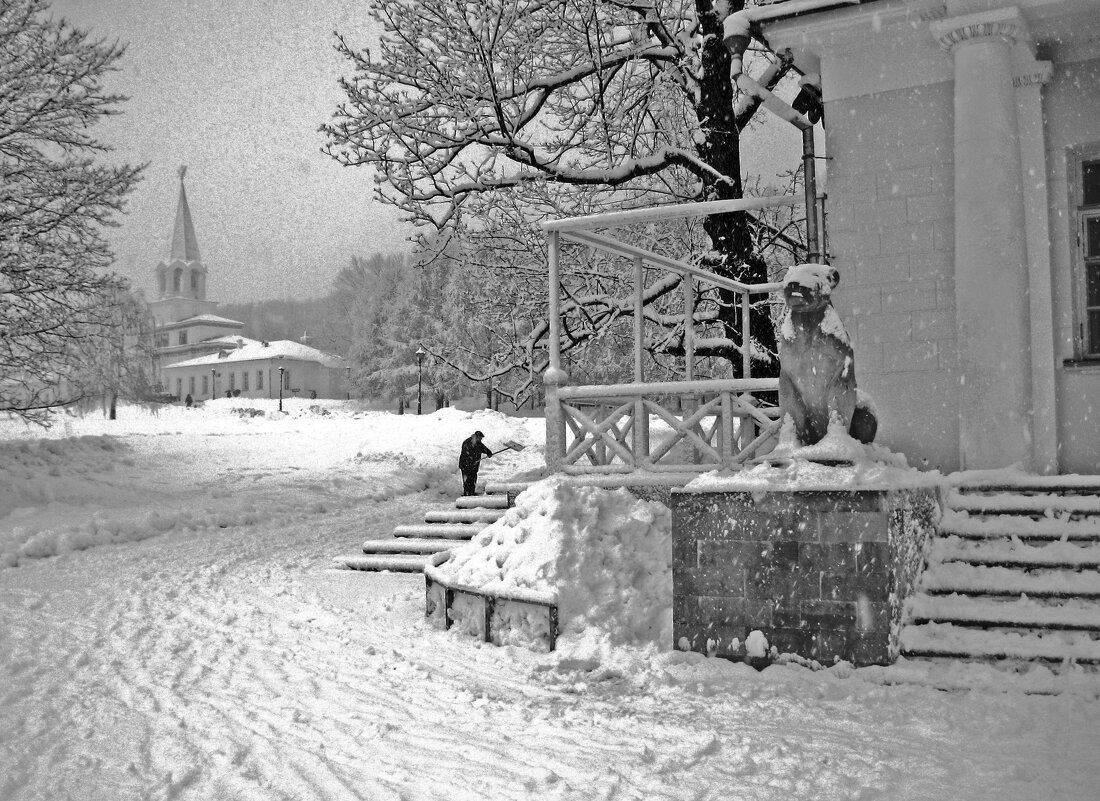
(252, 368)
(194, 346)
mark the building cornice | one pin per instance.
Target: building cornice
(1002, 24)
(1038, 74)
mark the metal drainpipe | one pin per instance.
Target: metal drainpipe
(809, 176)
(737, 31)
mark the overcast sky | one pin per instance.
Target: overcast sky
(235, 89)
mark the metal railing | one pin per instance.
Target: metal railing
(703, 424)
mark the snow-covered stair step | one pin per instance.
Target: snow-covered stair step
(410, 545)
(463, 515)
(482, 502)
(979, 580)
(1017, 503)
(1015, 553)
(947, 640)
(504, 487)
(961, 524)
(394, 562)
(449, 531)
(1063, 485)
(1016, 613)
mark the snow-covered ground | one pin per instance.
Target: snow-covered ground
(171, 627)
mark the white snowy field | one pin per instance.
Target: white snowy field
(171, 627)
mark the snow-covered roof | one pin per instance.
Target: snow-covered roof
(208, 318)
(254, 350)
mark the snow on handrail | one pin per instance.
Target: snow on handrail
(671, 387)
(614, 219)
(675, 265)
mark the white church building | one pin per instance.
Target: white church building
(202, 354)
(963, 213)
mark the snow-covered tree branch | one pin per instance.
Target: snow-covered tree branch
(479, 119)
(54, 202)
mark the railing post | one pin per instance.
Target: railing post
(689, 328)
(641, 432)
(746, 336)
(554, 378)
(687, 404)
(641, 417)
(727, 446)
(639, 319)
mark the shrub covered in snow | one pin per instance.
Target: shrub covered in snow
(603, 556)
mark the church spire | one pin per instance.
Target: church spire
(185, 246)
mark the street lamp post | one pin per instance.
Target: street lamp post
(420, 354)
(281, 369)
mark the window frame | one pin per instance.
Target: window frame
(1081, 264)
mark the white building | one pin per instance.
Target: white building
(252, 369)
(963, 181)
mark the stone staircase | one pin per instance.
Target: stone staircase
(414, 545)
(1013, 579)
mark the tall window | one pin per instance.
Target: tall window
(286, 380)
(179, 388)
(183, 337)
(244, 381)
(259, 379)
(1088, 238)
(232, 381)
(191, 385)
(205, 386)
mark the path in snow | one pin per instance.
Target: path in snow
(234, 663)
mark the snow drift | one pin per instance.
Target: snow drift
(603, 556)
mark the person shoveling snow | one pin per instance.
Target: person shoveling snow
(469, 459)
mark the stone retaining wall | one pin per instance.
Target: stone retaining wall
(823, 574)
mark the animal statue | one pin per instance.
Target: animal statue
(817, 377)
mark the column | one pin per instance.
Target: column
(1033, 164)
(991, 279)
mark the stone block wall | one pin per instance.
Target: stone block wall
(823, 574)
(890, 222)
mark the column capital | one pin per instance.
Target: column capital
(1003, 24)
(1037, 73)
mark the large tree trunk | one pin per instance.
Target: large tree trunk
(731, 240)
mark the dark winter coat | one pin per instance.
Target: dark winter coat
(472, 449)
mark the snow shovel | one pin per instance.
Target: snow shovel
(509, 446)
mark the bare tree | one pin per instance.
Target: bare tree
(54, 203)
(562, 106)
(114, 357)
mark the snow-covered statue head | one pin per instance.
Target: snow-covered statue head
(817, 378)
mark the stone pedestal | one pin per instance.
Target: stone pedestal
(823, 574)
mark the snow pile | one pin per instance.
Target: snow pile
(836, 446)
(39, 472)
(800, 474)
(603, 556)
(791, 466)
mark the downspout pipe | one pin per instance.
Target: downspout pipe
(737, 31)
